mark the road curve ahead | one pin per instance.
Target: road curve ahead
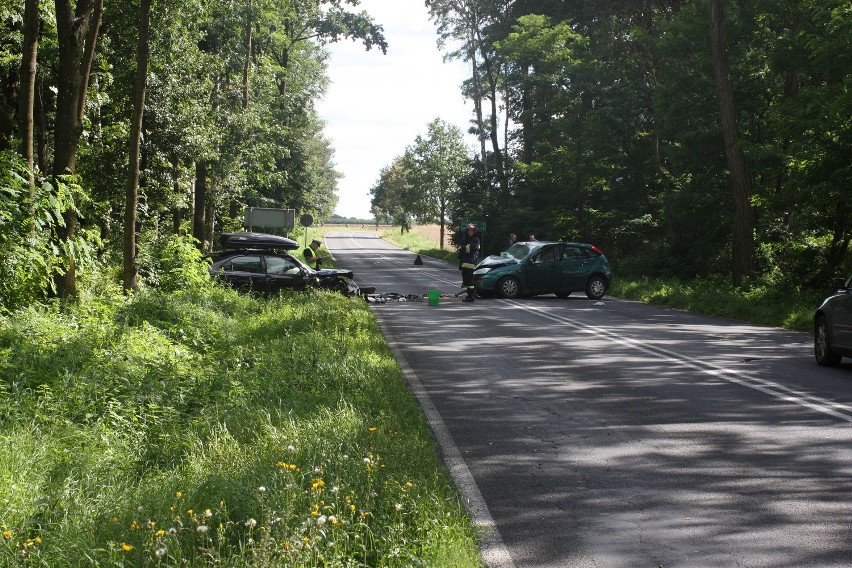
(616, 434)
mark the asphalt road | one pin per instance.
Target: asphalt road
(616, 434)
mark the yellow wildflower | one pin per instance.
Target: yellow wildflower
(126, 547)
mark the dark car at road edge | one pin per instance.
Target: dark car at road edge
(260, 263)
(833, 325)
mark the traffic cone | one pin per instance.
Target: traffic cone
(418, 261)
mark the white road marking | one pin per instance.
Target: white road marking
(779, 391)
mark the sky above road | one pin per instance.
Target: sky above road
(377, 104)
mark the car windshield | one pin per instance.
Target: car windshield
(518, 251)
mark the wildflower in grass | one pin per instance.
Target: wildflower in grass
(409, 484)
(202, 528)
(160, 552)
(317, 484)
(178, 495)
(134, 525)
(291, 449)
(7, 534)
(160, 533)
(172, 531)
(321, 520)
(398, 506)
(372, 429)
(251, 523)
(208, 513)
(262, 489)
(126, 547)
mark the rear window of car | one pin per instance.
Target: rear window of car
(572, 252)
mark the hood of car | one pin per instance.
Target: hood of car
(496, 261)
(333, 272)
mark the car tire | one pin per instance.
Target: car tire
(596, 287)
(822, 345)
(509, 287)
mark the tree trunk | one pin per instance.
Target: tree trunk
(131, 203)
(743, 233)
(26, 93)
(247, 63)
(77, 34)
(199, 209)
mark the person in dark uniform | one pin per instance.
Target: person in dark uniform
(468, 256)
(311, 254)
(513, 238)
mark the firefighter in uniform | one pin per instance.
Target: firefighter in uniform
(468, 256)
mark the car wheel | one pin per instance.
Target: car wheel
(822, 346)
(509, 287)
(596, 287)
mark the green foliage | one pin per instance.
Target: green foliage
(763, 303)
(173, 262)
(198, 427)
(30, 251)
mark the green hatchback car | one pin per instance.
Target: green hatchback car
(543, 267)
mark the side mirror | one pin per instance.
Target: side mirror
(838, 284)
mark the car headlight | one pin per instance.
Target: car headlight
(481, 271)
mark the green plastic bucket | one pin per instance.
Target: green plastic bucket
(434, 297)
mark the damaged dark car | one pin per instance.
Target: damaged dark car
(259, 263)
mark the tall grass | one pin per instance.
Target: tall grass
(775, 305)
(420, 243)
(198, 427)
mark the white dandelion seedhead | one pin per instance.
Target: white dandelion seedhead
(291, 449)
(262, 489)
(321, 520)
(251, 523)
(160, 552)
(202, 528)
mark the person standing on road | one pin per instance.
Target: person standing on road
(468, 255)
(513, 238)
(311, 254)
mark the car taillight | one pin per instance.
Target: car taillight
(596, 249)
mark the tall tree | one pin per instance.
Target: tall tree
(77, 27)
(743, 233)
(440, 162)
(26, 91)
(131, 203)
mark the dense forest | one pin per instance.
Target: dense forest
(687, 138)
(122, 123)
(693, 138)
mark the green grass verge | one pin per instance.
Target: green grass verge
(762, 304)
(201, 427)
(418, 243)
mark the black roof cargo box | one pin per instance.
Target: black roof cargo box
(256, 241)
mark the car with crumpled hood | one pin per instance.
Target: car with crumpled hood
(260, 263)
(544, 267)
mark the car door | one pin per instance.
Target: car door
(542, 271)
(245, 272)
(283, 272)
(574, 266)
(842, 318)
